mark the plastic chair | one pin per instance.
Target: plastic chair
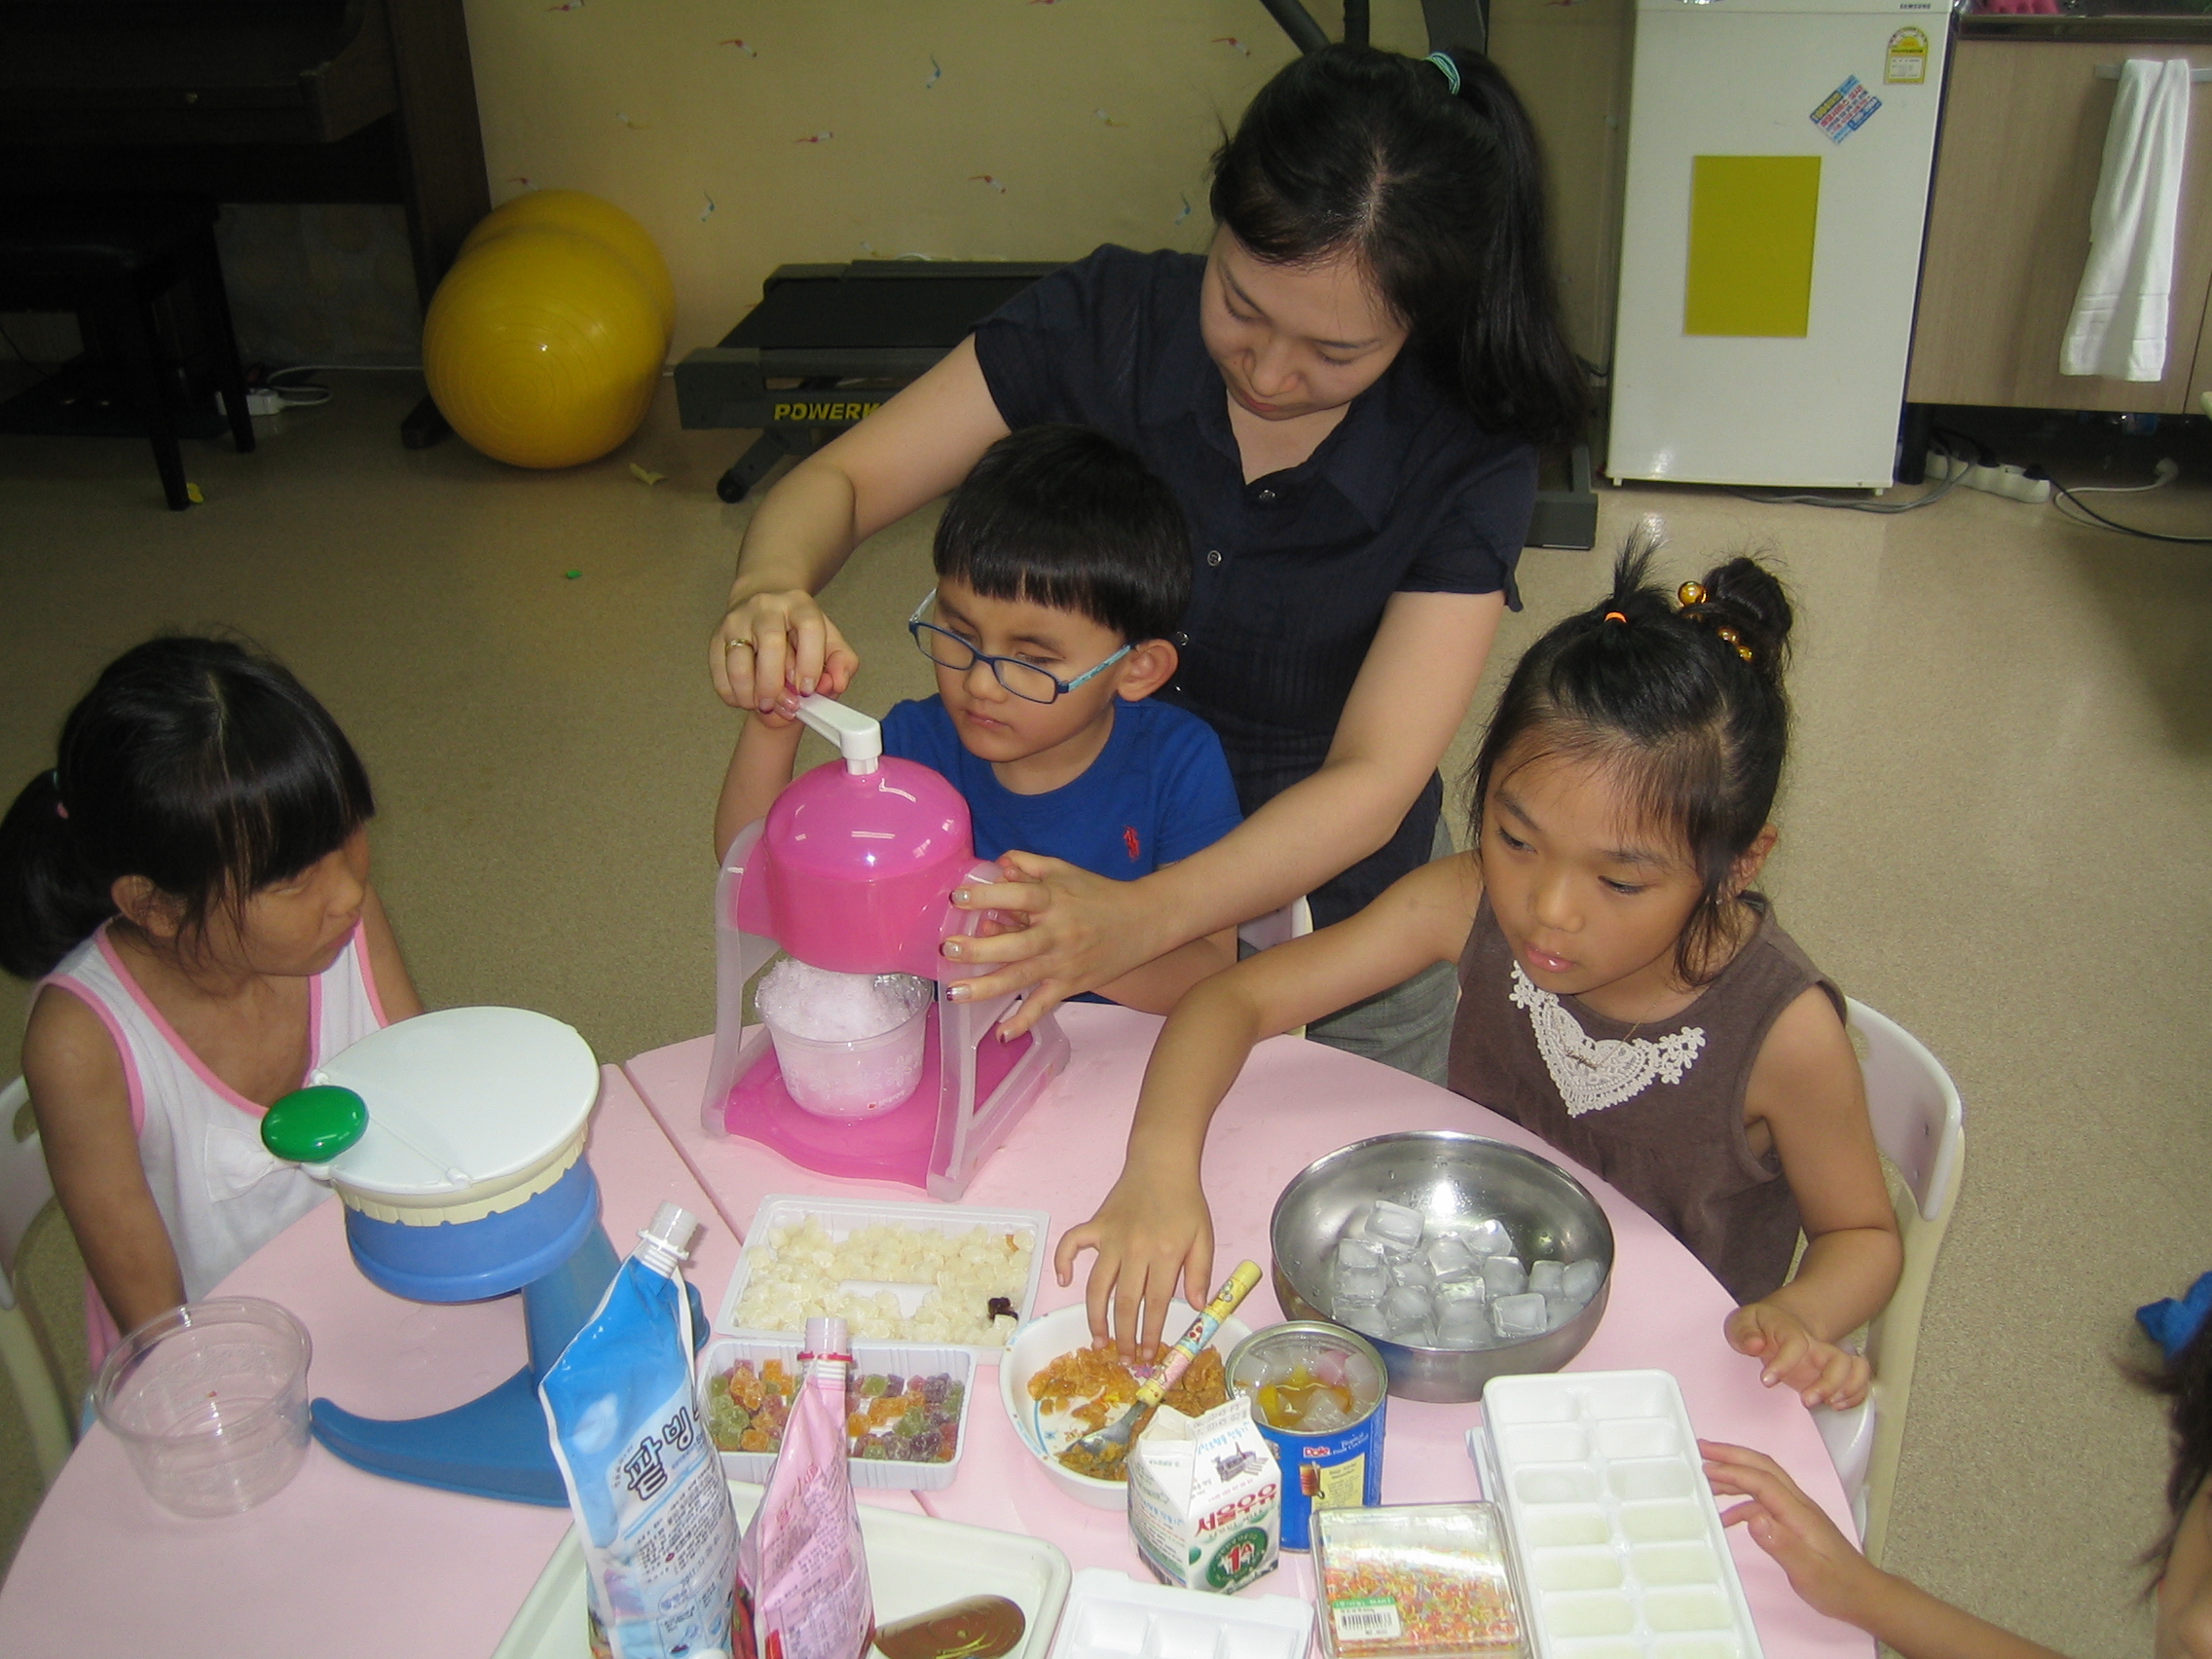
(1920, 1125)
(24, 1189)
(1294, 920)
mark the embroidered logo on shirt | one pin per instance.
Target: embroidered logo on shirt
(1592, 1073)
(1130, 841)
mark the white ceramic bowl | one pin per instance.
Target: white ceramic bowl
(1044, 1340)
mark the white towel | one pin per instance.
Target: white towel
(2119, 325)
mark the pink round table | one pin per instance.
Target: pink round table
(1295, 1102)
(340, 1563)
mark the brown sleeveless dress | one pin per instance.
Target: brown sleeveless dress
(1659, 1113)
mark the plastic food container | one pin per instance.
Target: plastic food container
(864, 1078)
(840, 1218)
(1044, 1340)
(210, 1400)
(1110, 1616)
(904, 1359)
(1416, 1581)
(1620, 1543)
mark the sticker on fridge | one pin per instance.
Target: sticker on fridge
(1906, 63)
(1845, 110)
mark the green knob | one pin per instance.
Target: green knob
(314, 1124)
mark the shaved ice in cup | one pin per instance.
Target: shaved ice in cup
(849, 1045)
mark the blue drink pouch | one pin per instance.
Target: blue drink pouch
(659, 1536)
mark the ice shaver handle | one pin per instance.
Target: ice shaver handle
(1200, 1333)
(859, 737)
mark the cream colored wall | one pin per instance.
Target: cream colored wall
(750, 134)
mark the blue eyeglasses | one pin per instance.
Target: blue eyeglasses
(1024, 680)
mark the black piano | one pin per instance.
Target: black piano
(249, 100)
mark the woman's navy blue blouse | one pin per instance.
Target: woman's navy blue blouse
(1291, 570)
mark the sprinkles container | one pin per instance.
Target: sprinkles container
(1416, 1581)
(1338, 1467)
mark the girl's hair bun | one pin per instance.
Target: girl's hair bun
(1746, 596)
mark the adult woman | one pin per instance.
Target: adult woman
(1342, 394)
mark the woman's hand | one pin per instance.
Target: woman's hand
(1824, 1567)
(1064, 930)
(1147, 1233)
(1791, 1356)
(772, 644)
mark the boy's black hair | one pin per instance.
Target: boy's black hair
(1684, 705)
(1065, 517)
(198, 763)
(1439, 194)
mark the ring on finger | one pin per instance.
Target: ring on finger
(734, 644)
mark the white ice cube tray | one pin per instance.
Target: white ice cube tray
(1620, 1544)
(841, 1218)
(908, 1359)
(1110, 1616)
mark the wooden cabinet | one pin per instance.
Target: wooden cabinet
(2017, 165)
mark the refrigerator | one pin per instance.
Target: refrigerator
(1779, 157)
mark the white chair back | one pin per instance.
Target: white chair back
(1294, 920)
(25, 1190)
(1920, 1125)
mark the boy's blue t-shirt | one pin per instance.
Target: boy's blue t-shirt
(1159, 790)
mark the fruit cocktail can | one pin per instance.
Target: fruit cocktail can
(1306, 1370)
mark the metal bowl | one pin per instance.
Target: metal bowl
(1443, 1174)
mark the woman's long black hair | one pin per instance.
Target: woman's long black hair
(1683, 702)
(198, 763)
(1440, 196)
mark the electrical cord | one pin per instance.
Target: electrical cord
(1885, 507)
(2060, 493)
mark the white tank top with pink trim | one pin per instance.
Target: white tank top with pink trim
(220, 1192)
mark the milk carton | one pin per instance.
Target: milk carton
(1205, 1499)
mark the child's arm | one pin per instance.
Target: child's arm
(82, 1101)
(396, 989)
(1154, 1226)
(1834, 1578)
(1158, 985)
(759, 770)
(1805, 1087)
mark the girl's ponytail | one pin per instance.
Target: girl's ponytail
(1434, 182)
(48, 900)
(1743, 597)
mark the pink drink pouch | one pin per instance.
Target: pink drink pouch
(802, 1590)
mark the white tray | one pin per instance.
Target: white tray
(913, 1563)
(909, 1359)
(1619, 1540)
(841, 1217)
(1111, 1615)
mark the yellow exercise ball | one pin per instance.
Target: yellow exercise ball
(543, 347)
(591, 216)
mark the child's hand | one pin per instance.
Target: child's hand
(1146, 1233)
(1824, 1567)
(783, 715)
(1790, 1355)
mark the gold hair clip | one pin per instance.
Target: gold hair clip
(1689, 594)
(1729, 636)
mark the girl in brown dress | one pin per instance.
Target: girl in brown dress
(1623, 990)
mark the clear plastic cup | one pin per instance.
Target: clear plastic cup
(861, 1079)
(211, 1402)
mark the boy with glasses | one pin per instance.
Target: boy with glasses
(1063, 568)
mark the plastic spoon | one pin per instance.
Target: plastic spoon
(1114, 1439)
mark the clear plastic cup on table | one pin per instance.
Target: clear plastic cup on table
(864, 1078)
(210, 1400)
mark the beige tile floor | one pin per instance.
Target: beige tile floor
(1994, 831)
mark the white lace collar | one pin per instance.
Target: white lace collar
(1592, 1073)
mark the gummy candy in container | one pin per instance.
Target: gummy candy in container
(905, 1409)
(1416, 1581)
(802, 1587)
(1318, 1394)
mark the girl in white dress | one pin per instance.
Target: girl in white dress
(189, 885)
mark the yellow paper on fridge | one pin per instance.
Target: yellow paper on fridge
(1752, 226)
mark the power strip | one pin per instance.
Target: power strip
(2011, 482)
